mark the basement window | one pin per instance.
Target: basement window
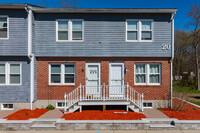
(148, 105)
(7, 106)
(60, 104)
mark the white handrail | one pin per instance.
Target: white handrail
(103, 92)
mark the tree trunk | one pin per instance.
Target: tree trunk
(197, 66)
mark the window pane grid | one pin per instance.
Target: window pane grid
(3, 27)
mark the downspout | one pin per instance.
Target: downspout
(172, 48)
(30, 55)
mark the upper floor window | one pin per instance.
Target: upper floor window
(147, 74)
(69, 30)
(10, 74)
(62, 74)
(139, 30)
(146, 30)
(3, 27)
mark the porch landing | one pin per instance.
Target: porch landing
(101, 102)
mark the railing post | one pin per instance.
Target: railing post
(65, 103)
(142, 102)
(80, 92)
(104, 92)
(127, 91)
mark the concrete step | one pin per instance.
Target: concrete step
(161, 121)
(43, 126)
(161, 126)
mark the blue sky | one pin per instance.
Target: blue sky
(180, 19)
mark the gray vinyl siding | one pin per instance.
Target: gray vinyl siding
(17, 93)
(104, 36)
(17, 44)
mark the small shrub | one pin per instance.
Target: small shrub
(26, 113)
(50, 107)
(195, 109)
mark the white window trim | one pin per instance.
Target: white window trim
(5, 16)
(62, 80)
(2, 108)
(7, 73)
(139, 30)
(148, 107)
(69, 30)
(58, 106)
(147, 69)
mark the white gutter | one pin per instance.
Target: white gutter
(30, 55)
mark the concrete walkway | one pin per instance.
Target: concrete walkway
(4, 113)
(52, 114)
(108, 131)
(154, 113)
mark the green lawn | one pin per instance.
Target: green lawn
(197, 103)
(185, 89)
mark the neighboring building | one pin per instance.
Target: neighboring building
(89, 54)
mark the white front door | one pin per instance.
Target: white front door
(93, 78)
(116, 77)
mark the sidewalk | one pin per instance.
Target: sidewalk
(109, 131)
(154, 113)
(52, 114)
(4, 113)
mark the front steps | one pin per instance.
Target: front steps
(44, 124)
(161, 123)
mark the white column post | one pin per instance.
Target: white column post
(65, 103)
(80, 92)
(104, 97)
(142, 102)
(127, 91)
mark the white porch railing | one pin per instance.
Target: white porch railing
(104, 93)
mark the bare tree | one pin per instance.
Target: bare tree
(61, 3)
(68, 3)
(194, 14)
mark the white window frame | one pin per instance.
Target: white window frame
(69, 30)
(147, 77)
(60, 102)
(2, 108)
(139, 30)
(148, 107)
(1, 16)
(7, 72)
(3, 73)
(136, 20)
(62, 80)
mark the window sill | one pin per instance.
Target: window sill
(68, 41)
(147, 85)
(4, 38)
(62, 85)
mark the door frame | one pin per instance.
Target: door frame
(116, 63)
(92, 63)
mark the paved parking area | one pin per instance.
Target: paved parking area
(109, 131)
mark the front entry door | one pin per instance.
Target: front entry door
(93, 79)
(116, 79)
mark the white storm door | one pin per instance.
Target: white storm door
(116, 75)
(93, 78)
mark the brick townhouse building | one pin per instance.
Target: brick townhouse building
(85, 57)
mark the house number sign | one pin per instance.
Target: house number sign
(166, 46)
(93, 71)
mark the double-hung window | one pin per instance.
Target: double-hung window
(146, 30)
(3, 27)
(69, 30)
(56, 74)
(62, 30)
(132, 30)
(77, 30)
(147, 74)
(139, 30)
(62, 74)
(10, 74)
(2, 74)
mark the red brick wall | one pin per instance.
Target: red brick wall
(56, 92)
